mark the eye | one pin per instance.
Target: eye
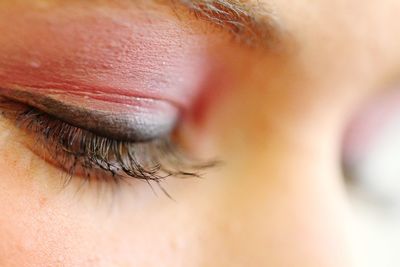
(371, 152)
(81, 145)
(101, 95)
(126, 118)
(371, 160)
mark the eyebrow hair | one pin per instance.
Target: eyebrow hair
(249, 22)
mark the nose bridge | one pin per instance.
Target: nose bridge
(278, 209)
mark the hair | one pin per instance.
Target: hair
(249, 22)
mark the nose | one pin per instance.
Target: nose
(285, 209)
(280, 195)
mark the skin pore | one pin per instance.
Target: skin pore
(273, 115)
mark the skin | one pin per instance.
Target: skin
(276, 122)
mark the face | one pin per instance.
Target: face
(186, 133)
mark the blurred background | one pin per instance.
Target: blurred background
(371, 163)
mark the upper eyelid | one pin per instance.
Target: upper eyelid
(114, 52)
(222, 13)
(75, 150)
(144, 119)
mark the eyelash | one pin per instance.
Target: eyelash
(80, 152)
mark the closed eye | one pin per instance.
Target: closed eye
(126, 118)
(80, 152)
(101, 94)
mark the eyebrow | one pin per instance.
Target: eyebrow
(249, 22)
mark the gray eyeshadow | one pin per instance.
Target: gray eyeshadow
(137, 126)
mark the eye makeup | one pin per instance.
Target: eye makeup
(90, 50)
(82, 153)
(119, 117)
(101, 91)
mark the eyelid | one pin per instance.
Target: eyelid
(162, 63)
(119, 51)
(141, 120)
(82, 153)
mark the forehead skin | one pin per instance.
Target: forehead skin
(277, 201)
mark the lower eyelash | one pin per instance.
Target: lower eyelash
(80, 152)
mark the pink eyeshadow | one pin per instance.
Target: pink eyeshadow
(99, 55)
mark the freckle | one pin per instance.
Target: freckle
(42, 202)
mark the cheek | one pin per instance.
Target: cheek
(31, 233)
(39, 228)
(43, 224)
